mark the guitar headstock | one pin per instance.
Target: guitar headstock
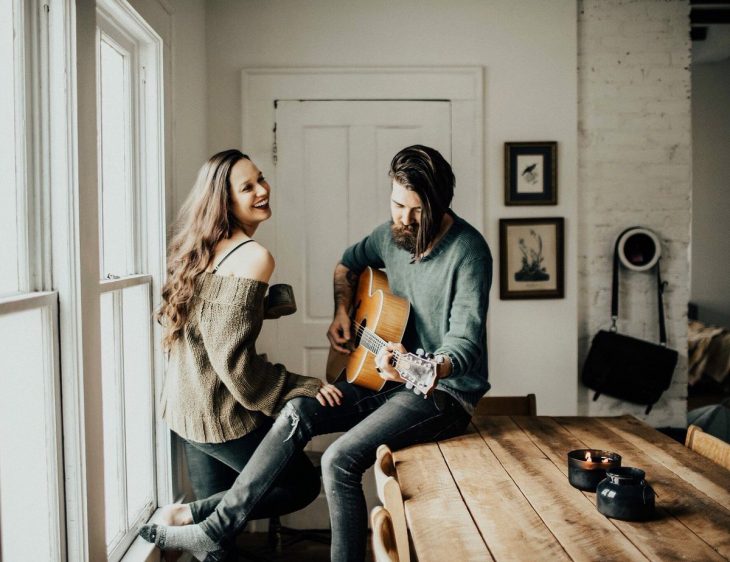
(418, 371)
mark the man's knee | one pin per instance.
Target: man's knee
(331, 461)
(341, 461)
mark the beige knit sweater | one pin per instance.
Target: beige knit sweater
(216, 387)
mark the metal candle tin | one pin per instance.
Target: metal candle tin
(586, 474)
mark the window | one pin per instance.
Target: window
(66, 317)
(127, 56)
(31, 466)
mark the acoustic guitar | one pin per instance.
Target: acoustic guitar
(379, 316)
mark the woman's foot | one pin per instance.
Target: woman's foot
(186, 537)
(175, 514)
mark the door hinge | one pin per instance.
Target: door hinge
(274, 149)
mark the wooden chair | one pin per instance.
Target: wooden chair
(390, 495)
(507, 406)
(384, 547)
(708, 446)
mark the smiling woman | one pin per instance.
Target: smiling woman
(220, 395)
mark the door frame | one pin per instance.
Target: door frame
(463, 86)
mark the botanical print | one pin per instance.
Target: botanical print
(532, 257)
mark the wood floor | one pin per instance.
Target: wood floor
(254, 547)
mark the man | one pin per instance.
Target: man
(443, 266)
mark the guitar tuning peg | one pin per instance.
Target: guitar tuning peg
(409, 385)
(420, 352)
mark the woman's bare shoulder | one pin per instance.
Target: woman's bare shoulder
(252, 260)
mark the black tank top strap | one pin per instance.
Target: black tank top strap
(224, 258)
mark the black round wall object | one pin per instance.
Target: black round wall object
(639, 249)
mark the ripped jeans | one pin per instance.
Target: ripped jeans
(214, 467)
(394, 416)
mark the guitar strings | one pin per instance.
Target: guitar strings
(374, 339)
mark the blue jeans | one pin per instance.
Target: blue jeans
(394, 416)
(213, 468)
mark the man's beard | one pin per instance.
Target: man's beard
(405, 236)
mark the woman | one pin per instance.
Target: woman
(219, 395)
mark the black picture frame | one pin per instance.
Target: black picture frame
(531, 173)
(531, 258)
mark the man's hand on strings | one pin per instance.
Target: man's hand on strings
(339, 332)
(384, 361)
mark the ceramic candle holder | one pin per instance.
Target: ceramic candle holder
(624, 494)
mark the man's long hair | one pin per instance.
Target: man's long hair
(205, 219)
(423, 170)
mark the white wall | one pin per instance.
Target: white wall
(635, 168)
(528, 50)
(189, 98)
(711, 191)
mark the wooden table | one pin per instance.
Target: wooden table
(501, 492)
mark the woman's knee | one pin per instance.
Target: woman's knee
(296, 416)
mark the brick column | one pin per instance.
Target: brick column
(634, 169)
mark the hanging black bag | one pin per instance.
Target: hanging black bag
(624, 367)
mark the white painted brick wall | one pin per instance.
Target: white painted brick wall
(634, 169)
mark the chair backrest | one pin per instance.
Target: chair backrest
(384, 467)
(507, 406)
(391, 497)
(384, 547)
(708, 446)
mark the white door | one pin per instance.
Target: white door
(331, 189)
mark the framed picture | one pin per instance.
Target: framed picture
(531, 258)
(531, 173)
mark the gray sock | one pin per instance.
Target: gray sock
(185, 537)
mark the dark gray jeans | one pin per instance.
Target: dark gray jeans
(213, 468)
(394, 416)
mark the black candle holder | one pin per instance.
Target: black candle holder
(587, 467)
(624, 494)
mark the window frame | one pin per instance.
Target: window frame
(56, 134)
(59, 149)
(119, 21)
(31, 52)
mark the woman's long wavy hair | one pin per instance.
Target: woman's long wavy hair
(204, 220)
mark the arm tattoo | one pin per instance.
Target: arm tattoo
(345, 282)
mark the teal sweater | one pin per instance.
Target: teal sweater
(449, 295)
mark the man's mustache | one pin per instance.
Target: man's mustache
(408, 227)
